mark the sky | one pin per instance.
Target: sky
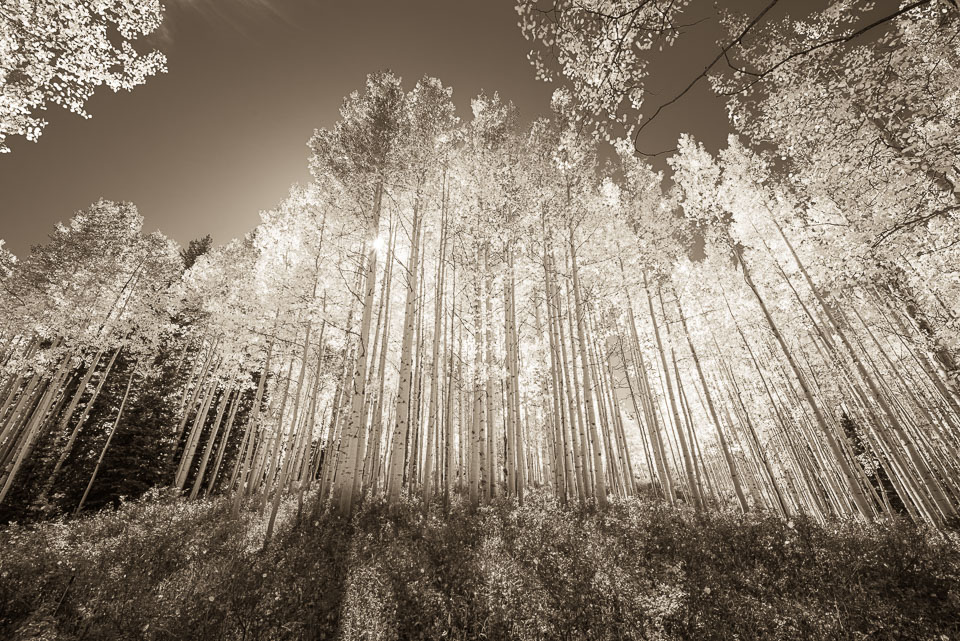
(221, 136)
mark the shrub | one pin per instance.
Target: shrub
(165, 568)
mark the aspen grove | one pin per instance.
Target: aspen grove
(501, 375)
(483, 307)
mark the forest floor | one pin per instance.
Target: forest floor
(165, 568)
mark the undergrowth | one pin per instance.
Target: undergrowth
(163, 568)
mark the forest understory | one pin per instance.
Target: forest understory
(164, 568)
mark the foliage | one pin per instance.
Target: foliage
(162, 568)
(58, 52)
(601, 49)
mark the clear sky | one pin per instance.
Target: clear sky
(203, 148)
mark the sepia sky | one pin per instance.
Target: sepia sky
(203, 148)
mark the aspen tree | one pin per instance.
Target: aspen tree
(113, 429)
(362, 151)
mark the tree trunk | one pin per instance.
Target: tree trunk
(113, 429)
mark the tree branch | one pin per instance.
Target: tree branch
(703, 74)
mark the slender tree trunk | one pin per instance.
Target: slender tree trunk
(291, 438)
(224, 442)
(244, 456)
(33, 426)
(724, 446)
(433, 419)
(68, 447)
(113, 430)
(856, 493)
(211, 440)
(404, 389)
(355, 425)
(687, 462)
